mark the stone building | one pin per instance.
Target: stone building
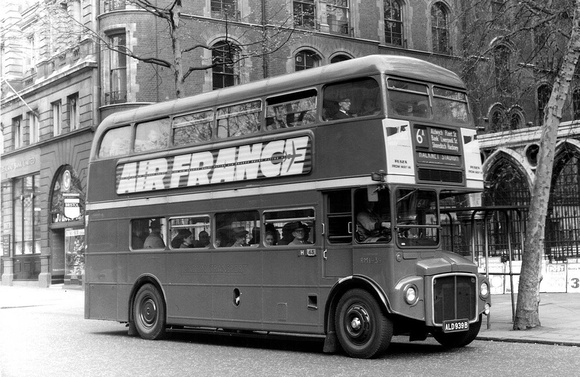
(65, 67)
(49, 110)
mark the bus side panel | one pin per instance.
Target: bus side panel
(291, 289)
(101, 301)
(188, 287)
(101, 285)
(237, 280)
(150, 263)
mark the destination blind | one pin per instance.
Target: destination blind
(437, 146)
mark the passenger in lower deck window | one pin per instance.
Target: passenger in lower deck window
(154, 240)
(240, 235)
(287, 236)
(300, 232)
(203, 241)
(270, 239)
(183, 240)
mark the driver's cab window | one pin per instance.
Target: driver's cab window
(373, 215)
(417, 218)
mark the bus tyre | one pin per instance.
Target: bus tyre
(459, 339)
(149, 313)
(362, 329)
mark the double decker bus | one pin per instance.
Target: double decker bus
(306, 203)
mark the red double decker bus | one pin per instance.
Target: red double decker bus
(306, 203)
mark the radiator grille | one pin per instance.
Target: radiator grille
(455, 297)
(435, 175)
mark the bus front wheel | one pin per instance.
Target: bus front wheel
(149, 313)
(362, 328)
(459, 339)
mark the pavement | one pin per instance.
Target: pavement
(559, 313)
(559, 319)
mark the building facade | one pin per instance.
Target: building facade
(49, 110)
(67, 64)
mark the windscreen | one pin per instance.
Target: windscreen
(417, 218)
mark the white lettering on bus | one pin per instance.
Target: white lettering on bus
(252, 161)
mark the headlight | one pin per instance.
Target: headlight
(411, 295)
(484, 289)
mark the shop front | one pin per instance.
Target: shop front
(21, 218)
(67, 232)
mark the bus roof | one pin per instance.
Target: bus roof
(400, 66)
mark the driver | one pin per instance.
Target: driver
(371, 227)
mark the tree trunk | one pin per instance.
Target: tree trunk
(175, 34)
(527, 312)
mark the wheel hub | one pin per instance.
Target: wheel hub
(358, 323)
(148, 312)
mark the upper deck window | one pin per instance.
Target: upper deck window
(238, 120)
(449, 105)
(152, 135)
(408, 98)
(291, 110)
(192, 128)
(351, 98)
(116, 142)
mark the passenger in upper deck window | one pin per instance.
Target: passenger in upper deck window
(343, 109)
(280, 117)
(368, 108)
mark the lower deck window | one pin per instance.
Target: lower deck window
(289, 227)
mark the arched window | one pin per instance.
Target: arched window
(517, 118)
(562, 239)
(506, 185)
(501, 59)
(306, 59)
(498, 118)
(576, 103)
(226, 71)
(339, 58)
(440, 28)
(544, 92)
(393, 22)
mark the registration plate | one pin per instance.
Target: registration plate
(456, 325)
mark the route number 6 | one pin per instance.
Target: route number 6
(420, 136)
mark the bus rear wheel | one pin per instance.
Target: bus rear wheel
(362, 329)
(459, 339)
(149, 313)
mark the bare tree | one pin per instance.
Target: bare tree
(554, 27)
(527, 312)
(172, 14)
